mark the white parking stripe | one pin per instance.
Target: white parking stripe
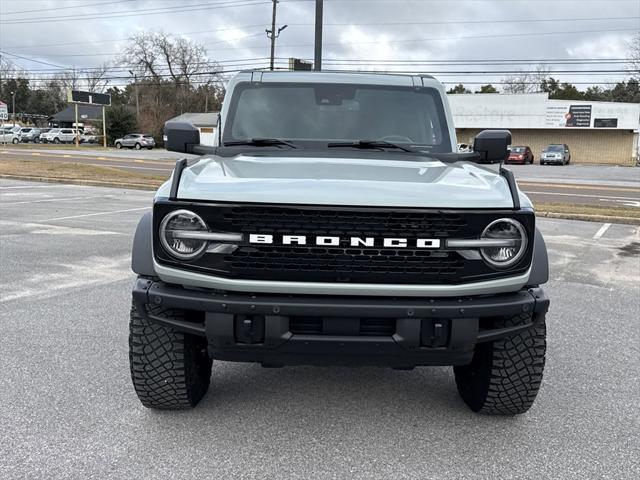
(5, 204)
(602, 231)
(31, 186)
(94, 214)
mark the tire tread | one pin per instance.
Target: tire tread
(505, 375)
(170, 370)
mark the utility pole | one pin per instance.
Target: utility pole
(273, 34)
(13, 107)
(317, 59)
(135, 86)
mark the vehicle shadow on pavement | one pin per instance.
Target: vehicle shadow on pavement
(331, 389)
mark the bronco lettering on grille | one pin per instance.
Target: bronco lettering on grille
(353, 241)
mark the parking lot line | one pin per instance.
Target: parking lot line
(31, 186)
(5, 204)
(603, 229)
(95, 214)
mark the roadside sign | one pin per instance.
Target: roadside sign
(4, 112)
(91, 98)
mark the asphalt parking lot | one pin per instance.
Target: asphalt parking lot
(68, 409)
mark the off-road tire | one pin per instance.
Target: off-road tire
(170, 370)
(505, 375)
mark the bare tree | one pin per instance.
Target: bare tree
(172, 75)
(526, 82)
(69, 79)
(161, 57)
(634, 55)
(96, 79)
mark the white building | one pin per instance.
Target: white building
(596, 132)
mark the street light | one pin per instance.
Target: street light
(13, 107)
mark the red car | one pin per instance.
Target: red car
(520, 155)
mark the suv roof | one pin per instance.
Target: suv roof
(338, 77)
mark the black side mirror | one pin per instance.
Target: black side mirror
(181, 136)
(492, 145)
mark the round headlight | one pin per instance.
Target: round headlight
(504, 256)
(174, 234)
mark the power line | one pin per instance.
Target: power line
(57, 8)
(377, 42)
(243, 27)
(131, 13)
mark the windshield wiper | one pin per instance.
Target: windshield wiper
(260, 142)
(371, 144)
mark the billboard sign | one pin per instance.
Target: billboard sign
(568, 116)
(91, 98)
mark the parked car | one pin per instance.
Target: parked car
(61, 135)
(46, 138)
(556, 153)
(88, 137)
(521, 155)
(7, 135)
(136, 140)
(41, 136)
(29, 134)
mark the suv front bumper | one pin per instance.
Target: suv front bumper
(278, 330)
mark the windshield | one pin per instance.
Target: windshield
(517, 149)
(322, 113)
(554, 148)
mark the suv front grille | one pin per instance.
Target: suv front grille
(342, 263)
(370, 222)
(344, 260)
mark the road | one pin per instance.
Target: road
(69, 410)
(577, 184)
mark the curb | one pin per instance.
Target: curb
(590, 218)
(78, 181)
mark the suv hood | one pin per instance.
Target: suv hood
(427, 183)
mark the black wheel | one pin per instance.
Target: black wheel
(118, 145)
(137, 146)
(170, 370)
(505, 375)
(149, 148)
(56, 140)
(15, 140)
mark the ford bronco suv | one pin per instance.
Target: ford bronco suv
(334, 223)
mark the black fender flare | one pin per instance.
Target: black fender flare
(142, 251)
(540, 261)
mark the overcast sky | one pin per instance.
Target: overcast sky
(381, 30)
